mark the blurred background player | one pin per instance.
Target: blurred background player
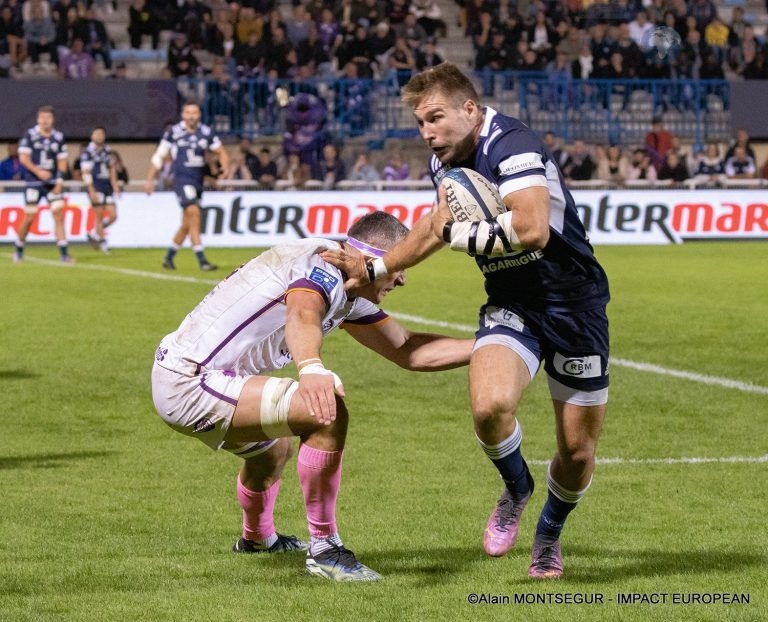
(210, 380)
(43, 154)
(187, 143)
(99, 172)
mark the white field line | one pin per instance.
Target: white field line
(646, 461)
(727, 383)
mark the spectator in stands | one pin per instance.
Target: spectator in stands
(96, 40)
(658, 142)
(411, 31)
(294, 173)
(120, 168)
(396, 168)
(329, 31)
(560, 93)
(427, 55)
(212, 171)
(371, 11)
(238, 170)
(402, 63)
(710, 168)
(29, 7)
(143, 22)
(182, 61)
(429, 16)
(381, 41)
(40, 34)
(579, 166)
(11, 168)
(363, 171)
(637, 28)
(264, 168)
(223, 96)
(613, 167)
(278, 56)
(634, 60)
(542, 38)
(552, 143)
(250, 56)
(514, 30)
(673, 168)
(297, 28)
(248, 21)
(584, 65)
(312, 53)
(12, 40)
(220, 41)
(192, 18)
(641, 167)
(740, 165)
(742, 139)
(330, 168)
(395, 12)
(602, 48)
(754, 67)
(716, 35)
(357, 50)
(77, 64)
(479, 31)
(492, 58)
(352, 101)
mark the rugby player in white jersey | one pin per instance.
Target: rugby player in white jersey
(210, 380)
(547, 297)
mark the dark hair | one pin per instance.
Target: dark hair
(45, 109)
(378, 229)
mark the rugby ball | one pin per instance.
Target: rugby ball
(471, 196)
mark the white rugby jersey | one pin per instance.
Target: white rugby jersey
(240, 325)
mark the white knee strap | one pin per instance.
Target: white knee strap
(275, 403)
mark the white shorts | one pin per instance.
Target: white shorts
(202, 406)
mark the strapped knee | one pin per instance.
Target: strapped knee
(275, 404)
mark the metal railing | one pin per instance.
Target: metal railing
(597, 111)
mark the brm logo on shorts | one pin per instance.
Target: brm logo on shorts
(325, 280)
(578, 366)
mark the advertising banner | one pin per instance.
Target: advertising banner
(261, 219)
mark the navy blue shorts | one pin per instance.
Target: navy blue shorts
(188, 192)
(573, 345)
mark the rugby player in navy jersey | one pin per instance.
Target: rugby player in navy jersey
(43, 154)
(546, 302)
(100, 177)
(186, 144)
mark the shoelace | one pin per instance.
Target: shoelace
(507, 512)
(343, 556)
(287, 543)
(548, 555)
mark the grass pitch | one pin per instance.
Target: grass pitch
(106, 514)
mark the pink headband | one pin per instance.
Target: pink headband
(365, 248)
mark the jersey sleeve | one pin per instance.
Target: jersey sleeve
(364, 312)
(517, 158)
(315, 275)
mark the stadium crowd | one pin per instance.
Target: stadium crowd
(346, 43)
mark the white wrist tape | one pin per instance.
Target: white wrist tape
(493, 237)
(318, 369)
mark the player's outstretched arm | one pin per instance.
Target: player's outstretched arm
(420, 242)
(412, 351)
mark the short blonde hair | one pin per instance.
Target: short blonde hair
(446, 78)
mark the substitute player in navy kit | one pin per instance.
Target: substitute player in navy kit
(186, 143)
(546, 302)
(43, 154)
(100, 177)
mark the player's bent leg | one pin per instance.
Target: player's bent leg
(258, 485)
(494, 404)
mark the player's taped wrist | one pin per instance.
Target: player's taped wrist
(301, 364)
(493, 237)
(320, 370)
(376, 269)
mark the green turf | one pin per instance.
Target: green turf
(106, 514)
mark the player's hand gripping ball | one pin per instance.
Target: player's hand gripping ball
(471, 196)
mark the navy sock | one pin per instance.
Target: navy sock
(171, 253)
(553, 517)
(514, 472)
(200, 256)
(19, 249)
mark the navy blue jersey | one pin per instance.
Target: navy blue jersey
(98, 161)
(44, 151)
(187, 150)
(565, 274)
